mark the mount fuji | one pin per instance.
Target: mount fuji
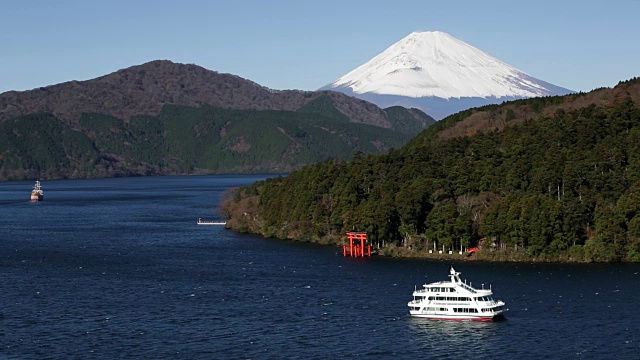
(440, 75)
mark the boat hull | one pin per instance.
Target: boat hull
(36, 197)
(455, 318)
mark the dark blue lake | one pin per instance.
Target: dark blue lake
(118, 268)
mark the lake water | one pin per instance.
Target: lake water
(117, 268)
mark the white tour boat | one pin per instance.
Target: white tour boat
(37, 194)
(455, 300)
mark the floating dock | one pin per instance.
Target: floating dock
(205, 222)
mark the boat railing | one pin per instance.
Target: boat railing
(468, 288)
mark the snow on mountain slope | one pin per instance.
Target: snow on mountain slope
(437, 65)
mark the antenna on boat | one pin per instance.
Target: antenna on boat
(483, 286)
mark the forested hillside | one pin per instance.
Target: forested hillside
(561, 185)
(183, 140)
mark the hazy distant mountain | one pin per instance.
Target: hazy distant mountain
(439, 74)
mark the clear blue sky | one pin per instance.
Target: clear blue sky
(580, 45)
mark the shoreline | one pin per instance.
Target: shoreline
(501, 255)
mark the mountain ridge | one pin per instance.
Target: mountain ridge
(144, 89)
(497, 117)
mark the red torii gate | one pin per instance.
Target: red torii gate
(356, 245)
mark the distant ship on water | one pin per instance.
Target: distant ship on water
(37, 194)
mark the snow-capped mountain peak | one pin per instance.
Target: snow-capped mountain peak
(435, 64)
